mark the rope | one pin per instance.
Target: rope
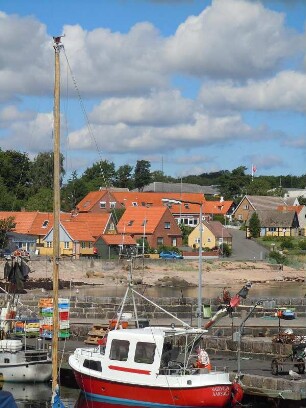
(86, 118)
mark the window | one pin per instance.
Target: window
(90, 245)
(246, 207)
(134, 204)
(45, 223)
(66, 245)
(49, 244)
(130, 223)
(186, 205)
(167, 225)
(160, 241)
(111, 226)
(240, 217)
(208, 239)
(119, 350)
(144, 353)
(174, 242)
(102, 204)
(92, 365)
(112, 204)
(272, 229)
(83, 244)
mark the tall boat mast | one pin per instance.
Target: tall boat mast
(56, 210)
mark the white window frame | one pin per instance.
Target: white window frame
(103, 204)
(66, 244)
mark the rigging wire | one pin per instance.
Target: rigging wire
(86, 118)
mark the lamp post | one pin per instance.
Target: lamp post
(199, 309)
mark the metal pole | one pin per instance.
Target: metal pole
(200, 271)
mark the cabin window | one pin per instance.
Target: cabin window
(145, 352)
(119, 350)
(92, 365)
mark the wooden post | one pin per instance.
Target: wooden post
(56, 212)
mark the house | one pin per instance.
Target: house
(249, 204)
(276, 223)
(160, 187)
(213, 235)
(112, 245)
(105, 201)
(24, 242)
(220, 208)
(154, 224)
(301, 213)
(78, 233)
(295, 192)
(32, 223)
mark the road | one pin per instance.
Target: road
(245, 249)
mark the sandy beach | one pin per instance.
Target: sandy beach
(161, 273)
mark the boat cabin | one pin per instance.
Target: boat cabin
(151, 350)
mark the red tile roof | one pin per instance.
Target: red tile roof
(133, 218)
(217, 207)
(118, 239)
(294, 208)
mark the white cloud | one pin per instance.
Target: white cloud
(204, 130)
(33, 136)
(285, 91)
(158, 109)
(265, 162)
(232, 38)
(11, 114)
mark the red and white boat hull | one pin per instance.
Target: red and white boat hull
(110, 391)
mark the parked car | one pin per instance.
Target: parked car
(4, 253)
(170, 255)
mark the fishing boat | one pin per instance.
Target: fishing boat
(154, 366)
(20, 359)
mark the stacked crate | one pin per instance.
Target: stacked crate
(46, 311)
(63, 311)
(27, 327)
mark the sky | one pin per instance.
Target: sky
(191, 86)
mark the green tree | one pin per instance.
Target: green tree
(233, 185)
(254, 226)
(124, 177)
(42, 171)
(41, 201)
(142, 175)
(100, 174)
(6, 225)
(258, 187)
(74, 191)
(186, 230)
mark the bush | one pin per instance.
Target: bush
(287, 243)
(302, 244)
(225, 250)
(278, 257)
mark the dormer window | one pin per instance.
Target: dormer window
(186, 205)
(45, 223)
(130, 223)
(134, 204)
(102, 204)
(112, 204)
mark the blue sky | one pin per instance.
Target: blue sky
(191, 86)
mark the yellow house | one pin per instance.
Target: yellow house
(78, 232)
(214, 234)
